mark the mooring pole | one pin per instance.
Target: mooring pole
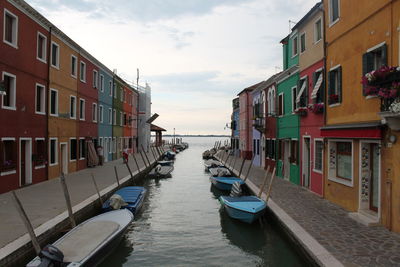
(248, 171)
(241, 166)
(152, 152)
(270, 185)
(129, 170)
(97, 189)
(144, 152)
(263, 184)
(144, 161)
(137, 164)
(27, 223)
(67, 200)
(116, 175)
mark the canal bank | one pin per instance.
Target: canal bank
(46, 208)
(322, 229)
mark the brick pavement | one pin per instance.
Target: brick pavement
(351, 243)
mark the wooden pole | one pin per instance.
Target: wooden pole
(227, 157)
(263, 184)
(270, 185)
(97, 189)
(137, 164)
(27, 223)
(67, 200)
(144, 152)
(129, 169)
(248, 171)
(241, 166)
(152, 152)
(234, 162)
(145, 163)
(116, 175)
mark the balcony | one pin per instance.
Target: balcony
(259, 124)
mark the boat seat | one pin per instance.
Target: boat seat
(86, 239)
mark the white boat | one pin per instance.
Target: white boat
(88, 243)
(161, 171)
(212, 163)
(220, 172)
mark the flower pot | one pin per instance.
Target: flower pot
(391, 119)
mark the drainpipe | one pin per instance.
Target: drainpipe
(48, 102)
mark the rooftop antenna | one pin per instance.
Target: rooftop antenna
(290, 23)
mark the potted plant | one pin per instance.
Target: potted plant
(316, 108)
(302, 111)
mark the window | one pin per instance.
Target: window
(294, 148)
(294, 95)
(114, 93)
(101, 83)
(94, 112)
(318, 150)
(281, 105)
(114, 117)
(53, 151)
(110, 87)
(40, 99)
(82, 148)
(302, 96)
(55, 55)
(334, 11)
(83, 71)
(82, 109)
(110, 116)
(281, 149)
(341, 161)
(318, 93)
(114, 144)
(10, 93)
(74, 66)
(39, 158)
(101, 115)
(335, 86)
(41, 47)
(318, 30)
(120, 118)
(53, 102)
(10, 33)
(124, 120)
(8, 155)
(121, 96)
(95, 79)
(303, 42)
(295, 45)
(72, 107)
(375, 58)
(73, 146)
(258, 146)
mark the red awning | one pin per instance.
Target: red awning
(371, 133)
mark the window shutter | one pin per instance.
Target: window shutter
(331, 83)
(321, 91)
(367, 65)
(384, 54)
(306, 92)
(339, 73)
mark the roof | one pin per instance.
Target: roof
(251, 88)
(314, 9)
(155, 128)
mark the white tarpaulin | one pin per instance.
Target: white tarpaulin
(317, 86)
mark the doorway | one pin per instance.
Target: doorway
(64, 157)
(306, 161)
(25, 161)
(286, 161)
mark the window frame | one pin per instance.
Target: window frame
(74, 75)
(301, 42)
(293, 91)
(95, 83)
(34, 162)
(82, 71)
(337, 68)
(331, 21)
(57, 66)
(55, 152)
(322, 155)
(295, 37)
(56, 103)
(43, 99)
(74, 107)
(316, 30)
(44, 47)
(80, 147)
(12, 170)
(14, 42)
(101, 82)
(13, 99)
(70, 149)
(110, 93)
(101, 114)
(94, 112)
(335, 178)
(110, 114)
(82, 115)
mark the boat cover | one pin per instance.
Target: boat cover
(250, 204)
(130, 194)
(116, 202)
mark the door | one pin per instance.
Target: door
(286, 161)
(306, 162)
(25, 162)
(64, 158)
(374, 177)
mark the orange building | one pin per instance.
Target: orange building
(360, 171)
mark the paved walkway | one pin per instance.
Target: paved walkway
(45, 202)
(348, 241)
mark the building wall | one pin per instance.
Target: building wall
(106, 100)
(118, 107)
(245, 125)
(270, 127)
(256, 135)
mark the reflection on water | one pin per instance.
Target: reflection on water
(182, 224)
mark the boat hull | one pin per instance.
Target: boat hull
(225, 183)
(246, 215)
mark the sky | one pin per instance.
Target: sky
(196, 55)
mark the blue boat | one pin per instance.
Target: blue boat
(169, 155)
(133, 197)
(225, 183)
(246, 208)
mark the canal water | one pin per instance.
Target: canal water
(181, 224)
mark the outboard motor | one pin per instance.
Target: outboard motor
(236, 190)
(50, 256)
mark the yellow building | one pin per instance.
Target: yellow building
(360, 167)
(64, 105)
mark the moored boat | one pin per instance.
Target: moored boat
(161, 171)
(244, 208)
(131, 198)
(212, 163)
(169, 155)
(220, 172)
(88, 243)
(165, 162)
(225, 183)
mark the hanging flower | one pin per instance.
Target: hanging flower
(376, 83)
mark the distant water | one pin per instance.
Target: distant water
(181, 224)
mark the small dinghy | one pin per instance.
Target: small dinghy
(88, 243)
(169, 155)
(220, 172)
(245, 208)
(212, 163)
(161, 171)
(225, 183)
(130, 197)
(165, 162)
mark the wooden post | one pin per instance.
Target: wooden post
(116, 175)
(263, 184)
(145, 163)
(248, 171)
(234, 162)
(227, 157)
(67, 200)
(144, 152)
(241, 166)
(137, 164)
(129, 170)
(152, 152)
(270, 185)
(97, 189)
(27, 223)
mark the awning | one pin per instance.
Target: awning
(317, 86)
(353, 131)
(301, 91)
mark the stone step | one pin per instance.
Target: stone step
(364, 218)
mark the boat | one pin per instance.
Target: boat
(212, 163)
(130, 197)
(220, 172)
(88, 243)
(169, 155)
(165, 162)
(225, 183)
(161, 171)
(244, 208)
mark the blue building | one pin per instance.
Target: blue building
(235, 127)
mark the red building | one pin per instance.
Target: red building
(23, 109)
(128, 118)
